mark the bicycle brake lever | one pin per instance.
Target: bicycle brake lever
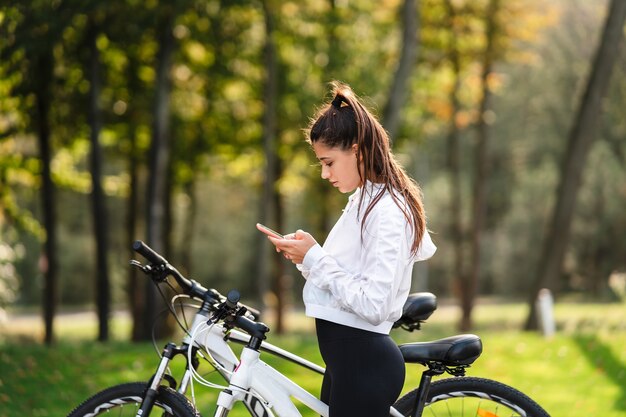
(146, 269)
(139, 265)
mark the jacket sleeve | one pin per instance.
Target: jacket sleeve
(370, 292)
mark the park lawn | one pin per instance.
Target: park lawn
(579, 372)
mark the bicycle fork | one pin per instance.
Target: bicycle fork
(151, 393)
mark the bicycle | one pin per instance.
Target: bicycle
(266, 392)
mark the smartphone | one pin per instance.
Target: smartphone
(269, 231)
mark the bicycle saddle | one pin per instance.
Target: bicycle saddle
(455, 350)
(418, 307)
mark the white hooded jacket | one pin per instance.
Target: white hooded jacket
(359, 279)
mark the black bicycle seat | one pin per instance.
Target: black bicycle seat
(419, 306)
(455, 350)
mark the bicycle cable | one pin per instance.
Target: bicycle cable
(195, 376)
(169, 307)
(183, 306)
(196, 333)
(170, 304)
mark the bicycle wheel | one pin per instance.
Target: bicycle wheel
(125, 399)
(476, 397)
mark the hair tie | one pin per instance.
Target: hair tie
(337, 101)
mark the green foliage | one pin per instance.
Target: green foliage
(217, 102)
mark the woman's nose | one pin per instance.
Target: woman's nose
(325, 172)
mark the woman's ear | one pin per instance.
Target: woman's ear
(355, 148)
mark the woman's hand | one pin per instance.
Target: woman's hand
(294, 246)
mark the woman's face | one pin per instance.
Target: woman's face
(339, 166)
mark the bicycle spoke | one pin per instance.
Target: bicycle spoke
(470, 407)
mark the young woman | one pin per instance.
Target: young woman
(358, 281)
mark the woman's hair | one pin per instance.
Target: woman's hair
(344, 122)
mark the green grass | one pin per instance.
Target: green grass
(579, 372)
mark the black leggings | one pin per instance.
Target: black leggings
(364, 370)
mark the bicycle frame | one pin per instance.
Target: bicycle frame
(264, 390)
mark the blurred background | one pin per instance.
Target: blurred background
(181, 122)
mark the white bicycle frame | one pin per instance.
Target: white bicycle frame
(264, 390)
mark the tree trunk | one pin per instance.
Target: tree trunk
(319, 214)
(469, 287)
(48, 261)
(581, 137)
(408, 56)
(136, 296)
(97, 194)
(281, 279)
(136, 293)
(270, 197)
(168, 219)
(186, 245)
(159, 163)
(453, 163)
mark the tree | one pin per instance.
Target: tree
(581, 137)
(136, 294)
(130, 42)
(159, 159)
(406, 65)
(29, 50)
(453, 150)
(270, 200)
(99, 211)
(469, 284)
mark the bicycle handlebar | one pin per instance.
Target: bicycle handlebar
(147, 252)
(190, 287)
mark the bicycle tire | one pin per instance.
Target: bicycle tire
(125, 400)
(470, 396)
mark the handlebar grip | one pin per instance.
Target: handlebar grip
(147, 252)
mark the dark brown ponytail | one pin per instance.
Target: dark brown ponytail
(343, 122)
